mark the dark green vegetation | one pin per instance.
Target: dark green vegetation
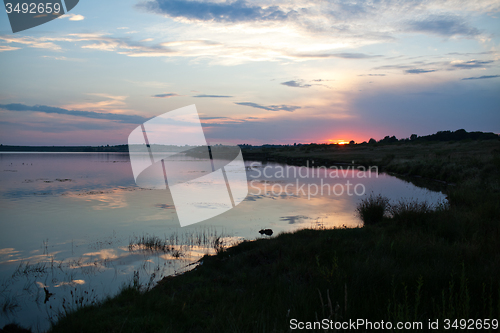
(410, 261)
(372, 209)
(458, 135)
(449, 161)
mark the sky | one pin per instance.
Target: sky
(264, 71)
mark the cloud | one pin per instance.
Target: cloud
(166, 95)
(345, 55)
(63, 58)
(419, 67)
(234, 12)
(371, 75)
(419, 71)
(213, 118)
(120, 45)
(276, 30)
(4, 48)
(471, 64)
(74, 17)
(296, 84)
(481, 77)
(470, 53)
(289, 108)
(354, 55)
(294, 218)
(210, 122)
(212, 96)
(123, 118)
(106, 102)
(443, 25)
(39, 43)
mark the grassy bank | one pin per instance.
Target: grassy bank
(411, 264)
(452, 161)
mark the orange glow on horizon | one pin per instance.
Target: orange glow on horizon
(339, 142)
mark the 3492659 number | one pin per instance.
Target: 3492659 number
(470, 324)
(33, 8)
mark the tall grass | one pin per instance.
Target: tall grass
(372, 209)
(177, 244)
(375, 273)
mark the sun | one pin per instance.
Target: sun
(339, 142)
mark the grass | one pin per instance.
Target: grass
(372, 209)
(418, 262)
(177, 244)
(450, 162)
(261, 285)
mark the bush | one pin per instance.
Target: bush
(372, 209)
(410, 211)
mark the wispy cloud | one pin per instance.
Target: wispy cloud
(212, 118)
(471, 64)
(4, 48)
(334, 55)
(374, 19)
(235, 11)
(211, 96)
(283, 107)
(443, 25)
(121, 45)
(419, 71)
(419, 67)
(104, 103)
(63, 58)
(166, 95)
(224, 121)
(39, 43)
(124, 118)
(295, 84)
(471, 53)
(481, 77)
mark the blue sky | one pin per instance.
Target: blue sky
(258, 71)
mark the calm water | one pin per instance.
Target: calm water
(70, 224)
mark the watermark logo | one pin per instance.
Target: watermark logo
(24, 14)
(170, 151)
(310, 181)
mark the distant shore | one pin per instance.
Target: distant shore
(65, 149)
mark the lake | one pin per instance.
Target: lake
(76, 228)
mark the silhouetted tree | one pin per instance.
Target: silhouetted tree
(413, 137)
(458, 135)
(389, 139)
(372, 140)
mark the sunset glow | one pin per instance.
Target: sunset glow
(258, 71)
(338, 142)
